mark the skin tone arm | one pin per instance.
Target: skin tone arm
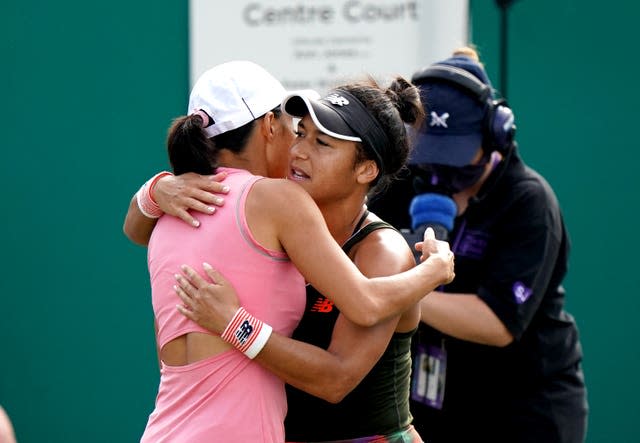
(329, 374)
(137, 227)
(176, 195)
(464, 316)
(297, 223)
(7, 434)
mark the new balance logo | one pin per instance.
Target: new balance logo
(244, 331)
(337, 100)
(439, 120)
(322, 304)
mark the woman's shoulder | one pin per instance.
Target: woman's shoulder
(274, 190)
(283, 201)
(385, 248)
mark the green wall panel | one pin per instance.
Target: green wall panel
(88, 90)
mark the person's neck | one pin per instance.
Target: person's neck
(343, 216)
(244, 160)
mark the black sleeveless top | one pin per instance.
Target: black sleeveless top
(378, 405)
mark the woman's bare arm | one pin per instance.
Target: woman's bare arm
(177, 196)
(329, 374)
(465, 316)
(303, 233)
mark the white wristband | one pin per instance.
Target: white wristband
(260, 341)
(246, 333)
(146, 204)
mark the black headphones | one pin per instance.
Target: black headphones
(498, 125)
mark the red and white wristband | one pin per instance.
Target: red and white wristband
(146, 203)
(246, 333)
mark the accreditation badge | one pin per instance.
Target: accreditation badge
(428, 377)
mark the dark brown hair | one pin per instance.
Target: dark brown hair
(190, 150)
(392, 107)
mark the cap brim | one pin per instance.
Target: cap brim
(325, 117)
(451, 150)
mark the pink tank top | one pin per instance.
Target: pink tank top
(226, 397)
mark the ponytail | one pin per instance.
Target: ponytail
(406, 98)
(190, 150)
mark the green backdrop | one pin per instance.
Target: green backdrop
(88, 90)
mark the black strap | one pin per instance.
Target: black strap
(361, 221)
(362, 233)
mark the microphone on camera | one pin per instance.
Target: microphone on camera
(430, 210)
(433, 210)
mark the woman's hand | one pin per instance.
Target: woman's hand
(438, 252)
(210, 303)
(176, 195)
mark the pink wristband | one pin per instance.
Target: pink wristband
(146, 203)
(246, 333)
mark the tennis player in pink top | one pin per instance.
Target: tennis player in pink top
(268, 233)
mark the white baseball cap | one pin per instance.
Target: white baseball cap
(233, 94)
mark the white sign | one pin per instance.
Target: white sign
(318, 44)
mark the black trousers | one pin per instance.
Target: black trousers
(556, 413)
